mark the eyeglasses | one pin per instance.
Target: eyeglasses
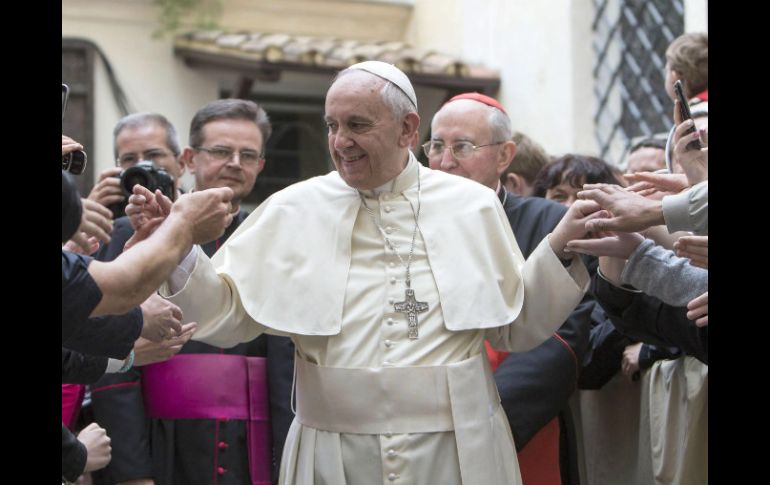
(225, 154)
(460, 149)
(152, 155)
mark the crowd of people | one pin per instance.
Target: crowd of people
(498, 316)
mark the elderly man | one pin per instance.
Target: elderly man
(388, 276)
(470, 137)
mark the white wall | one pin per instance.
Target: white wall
(347, 19)
(696, 16)
(153, 79)
(542, 50)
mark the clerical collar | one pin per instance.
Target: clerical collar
(398, 184)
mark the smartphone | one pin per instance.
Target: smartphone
(684, 111)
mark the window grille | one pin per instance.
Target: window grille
(630, 41)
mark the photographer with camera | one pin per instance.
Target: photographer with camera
(147, 152)
(227, 146)
(91, 288)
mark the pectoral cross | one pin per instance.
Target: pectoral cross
(411, 307)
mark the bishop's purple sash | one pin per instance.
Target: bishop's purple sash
(215, 386)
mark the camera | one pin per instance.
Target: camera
(74, 162)
(147, 175)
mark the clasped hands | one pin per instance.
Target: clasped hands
(207, 212)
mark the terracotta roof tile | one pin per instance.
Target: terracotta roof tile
(329, 52)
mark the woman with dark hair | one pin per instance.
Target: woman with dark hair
(562, 179)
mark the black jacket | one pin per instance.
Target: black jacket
(79, 293)
(71, 208)
(648, 319)
(73, 455)
(77, 368)
(107, 336)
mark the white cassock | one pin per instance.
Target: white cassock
(374, 406)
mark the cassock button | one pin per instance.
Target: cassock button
(222, 445)
(388, 208)
(391, 452)
(388, 434)
(392, 477)
(391, 300)
(392, 264)
(388, 343)
(389, 229)
(390, 321)
(221, 470)
(392, 280)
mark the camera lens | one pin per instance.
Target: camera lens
(133, 176)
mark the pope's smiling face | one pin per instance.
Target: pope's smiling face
(368, 144)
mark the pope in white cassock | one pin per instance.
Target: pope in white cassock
(388, 276)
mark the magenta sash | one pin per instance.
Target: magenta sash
(71, 400)
(215, 386)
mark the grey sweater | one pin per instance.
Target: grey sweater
(660, 273)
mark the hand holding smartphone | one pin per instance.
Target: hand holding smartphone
(684, 114)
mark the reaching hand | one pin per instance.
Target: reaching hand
(95, 222)
(694, 247)
(82, 244)
(149, 352)
(695, 163)
(630, 362)
(143, 206)
(143, 232)
(657, 185)
(97, 444)
(162, 319)
(612, 269)
(209, 211)
(630, 211)
(68, 145)
(107, 190)
(573, 225)
(617, 245)
(699, 308)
